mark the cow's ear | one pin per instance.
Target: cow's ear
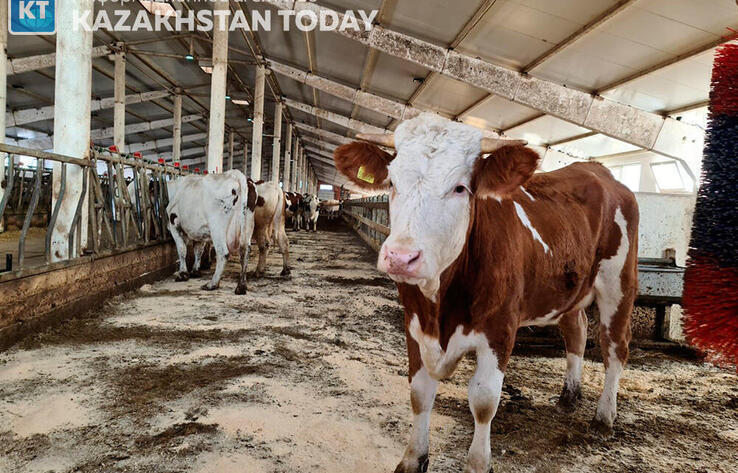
(364, 163)
(502, 172)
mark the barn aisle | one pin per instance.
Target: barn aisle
(308, 374)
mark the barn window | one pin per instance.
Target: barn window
(326, 187)
(669, 177)
(628, 174)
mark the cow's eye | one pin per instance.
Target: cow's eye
(459, 190)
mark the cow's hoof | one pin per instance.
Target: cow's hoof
(600, 428)
(209, 287)
(241, 289)
(285, 272)
(181, 277)
(421, 466)
(195, 274)
(569, 400)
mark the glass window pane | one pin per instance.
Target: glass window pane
(667, 176)
(631, 176)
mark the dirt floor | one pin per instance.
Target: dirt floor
(309, 374)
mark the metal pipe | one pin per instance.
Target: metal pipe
(55, 212)
(29, 213)
(76, 222)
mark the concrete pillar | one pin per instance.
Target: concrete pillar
(245, 158)
(287, 157)
(72, 91)
(295, 155)
(230, 150)
(177, 130)
(119, 109)
(277, 142)
(258, 123)
(216, 130)
(3, 88)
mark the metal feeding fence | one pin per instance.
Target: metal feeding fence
(126, 198)
(369, 218)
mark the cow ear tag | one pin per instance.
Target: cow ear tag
(365, 176)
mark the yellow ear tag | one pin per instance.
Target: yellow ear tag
(365, 176)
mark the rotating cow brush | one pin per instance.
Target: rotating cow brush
(711, 280)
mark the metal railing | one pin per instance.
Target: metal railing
(123, 198)
(369, 217)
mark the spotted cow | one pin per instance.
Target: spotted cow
(217, 209)
(480, 246)
(294, 209)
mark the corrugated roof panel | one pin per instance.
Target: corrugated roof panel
(498, 113)
(597, 145)
(393, 77)
(448, 96)
(546, 130)
(433, 20)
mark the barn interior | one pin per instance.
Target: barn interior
(108, 364)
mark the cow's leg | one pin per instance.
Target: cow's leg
(198, 248)
(179, 241)
(221, 257)
(573, 326)
(262, 240)
(284, 247)
(485, 391)
(244, 247)
(615, 291)
(422, 395)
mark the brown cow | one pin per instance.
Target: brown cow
(481, 246)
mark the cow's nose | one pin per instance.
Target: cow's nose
(402, 261)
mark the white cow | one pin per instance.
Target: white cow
(270, 220)
(217, 208)
(312, 204)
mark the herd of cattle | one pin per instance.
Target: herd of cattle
(226, 211)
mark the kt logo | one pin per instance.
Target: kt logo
(32, 16)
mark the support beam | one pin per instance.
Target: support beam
(277, 141)
(165, 143)
(32, 115)
(258, 123)
(391, 108)
(322, 144)
(119, 110)
(177, 128)
(647, 130)
(231, 134)
(287, 158)
(295, 158)
(42, 61)
(46, 142)
(200, 150)
(245, 158)
(336, 118)
(218, 90)
(325, 134)
(72, 90)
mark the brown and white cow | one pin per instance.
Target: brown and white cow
(217, 209)
(480, 246)
(293, 208)
(269, 222)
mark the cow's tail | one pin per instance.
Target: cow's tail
(279, 216)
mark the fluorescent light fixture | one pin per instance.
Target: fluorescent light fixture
(228, 97)
(154, 7)
(190, 57)
(240, 101)
(250, 120)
